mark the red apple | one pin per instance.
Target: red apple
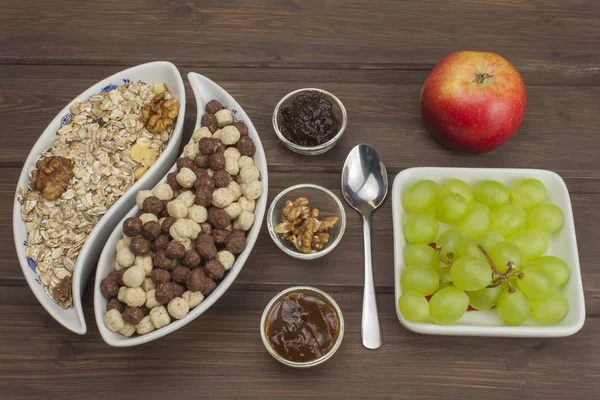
(473, 101)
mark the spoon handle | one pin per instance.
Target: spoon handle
(370, 327)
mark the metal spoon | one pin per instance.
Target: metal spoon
(365, 185)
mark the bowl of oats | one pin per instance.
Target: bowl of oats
(81, 177)
(179, 250)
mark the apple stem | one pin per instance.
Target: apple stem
(481, 77)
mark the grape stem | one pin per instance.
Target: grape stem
(442, 259)
(497, 276)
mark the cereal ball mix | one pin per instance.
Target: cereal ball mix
(189, 230)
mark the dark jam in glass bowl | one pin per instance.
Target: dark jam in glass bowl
(309, 120)
(302, 326)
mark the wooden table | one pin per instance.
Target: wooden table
(374, 56)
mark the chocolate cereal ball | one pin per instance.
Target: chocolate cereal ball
(220, 146)
(172, 181)
(206, 228)
(221, 179)
(207, 286)
(165, 212)
(242, 127)
(235, 243)
(151, 230)
(109, 287)
(201, 161)
(205, 246)
(246, 146)
(161, 260)
(133, 315)
(166, 225)
(159, 276)
(185, 162)
(152, 205)
(205, 181)
(115, 304)
(210, 121)
(203, 196)
(118, 276)
(214, 269)
(165, 292)
(139, 246)
(159, 243)
(191, 259)
(219, 235)
(216, 162)
(194, 279)
(213, 106)
(180, 273)
(218, 218)
(208, 145)
(175, 250)
(132, 226)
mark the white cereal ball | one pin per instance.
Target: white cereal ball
(226, 258)
(144, 326)
(122, 243)
(222, 197)
(141, 196)
(135, 297)
(118, 266)
(127, 330)
(244, 221)
(145, 263)
(187, 244)
(234, 210)
(176, 208)
(194, 228)
(146, 217)
(186, 177)
(151, 299)
(125, 257)
(224, 118)
(235, 189)
(187, 197)
(229, 135)
(245, 161)
(247, 205)
(217, 134)
(210, 172)
(122, 293)
(193, 298)
(113, 320)
(190, 150)
(178, 308)
(148, 285)
(163, 191)
(249, 174)
(159, 317)
(231, 165)
(197, 213)
(134, 277)
(161, 220)
(252, 190)
(183, 229)
(201, 133)
(232, 152)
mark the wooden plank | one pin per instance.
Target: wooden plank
(220, 355)
(557, 133)
(552, 38)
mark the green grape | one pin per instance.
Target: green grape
(476, 222)
(508, 219)
(492, 193)
(490, 239)
(468, 248)
(485, 298)
(513, 308)
(459, 187)
(413, 306)
(528, 193)
(420, 253)
(554, 268)
(470, 273)
(551, 309)
(444, 285)
(419, 278)
(421, 196)
(421, 228)
(532, 243)
(546, 217)
(504, 252)
(451, 208)
(535, 285)
(448, 242)
(448, 305)
(444, 274)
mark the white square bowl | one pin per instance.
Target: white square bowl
(562, 244)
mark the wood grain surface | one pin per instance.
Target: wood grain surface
(374, 56)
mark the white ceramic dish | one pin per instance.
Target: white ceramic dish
(204, 90)
(72, 318)
(563, 244)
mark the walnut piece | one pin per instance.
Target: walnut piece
(159, 115)
(52, 176)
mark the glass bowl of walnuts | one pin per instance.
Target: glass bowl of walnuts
(306, 221)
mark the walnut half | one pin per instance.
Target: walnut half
(52, 176)
(159, 115)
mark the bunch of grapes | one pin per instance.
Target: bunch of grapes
(491, 257)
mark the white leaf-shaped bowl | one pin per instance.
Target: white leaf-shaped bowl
(72, 318)
(204, 90)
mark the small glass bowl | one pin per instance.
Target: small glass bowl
(324, 200)
(338, 110)
(324, 357)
